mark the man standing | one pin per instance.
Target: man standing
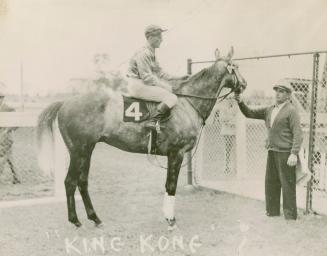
(284, 142)
(149, 81)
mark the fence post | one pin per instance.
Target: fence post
(189, 154)
(240, 141)
(22, 91)
(312, 131)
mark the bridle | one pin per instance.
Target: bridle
(237, 86)
(236, 81)
(231, 70)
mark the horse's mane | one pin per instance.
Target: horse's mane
(203, 75)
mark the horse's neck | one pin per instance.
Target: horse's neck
(202, 105)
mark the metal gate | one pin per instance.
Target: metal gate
(231, 156)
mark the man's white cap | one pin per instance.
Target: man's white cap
(283, 85)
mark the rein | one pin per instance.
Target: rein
(216, 97)
(220, 98)
(158, 164)
(204, 97)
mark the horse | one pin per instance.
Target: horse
(87, 119)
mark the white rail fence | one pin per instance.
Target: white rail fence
(18, 159)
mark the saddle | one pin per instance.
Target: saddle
(138, 111)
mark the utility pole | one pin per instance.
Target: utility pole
(22, 103)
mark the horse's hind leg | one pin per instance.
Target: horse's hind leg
(83, 188)
(70, 186)
(78, 162)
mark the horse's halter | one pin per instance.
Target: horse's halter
(238, 85)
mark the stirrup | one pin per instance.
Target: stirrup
(156, 126)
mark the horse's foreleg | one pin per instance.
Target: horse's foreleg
(83, 188)
(175, 160)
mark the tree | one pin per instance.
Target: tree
(104, 77)
(3, 10)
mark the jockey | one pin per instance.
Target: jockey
(148, 81)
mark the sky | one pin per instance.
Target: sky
(53, 41)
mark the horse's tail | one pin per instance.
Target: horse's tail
(46, 137)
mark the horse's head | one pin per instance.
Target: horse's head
(228, 72)
(203, 88)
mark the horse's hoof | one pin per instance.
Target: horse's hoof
(172, 228)
(16, 181)
(171, 224)
(97, 221)
(76, 223)
(99, 225)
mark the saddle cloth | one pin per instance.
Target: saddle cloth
(138, 110)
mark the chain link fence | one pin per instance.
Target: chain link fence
(319, 136)
(20, 176)
(232, 155)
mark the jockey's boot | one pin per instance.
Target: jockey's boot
(160, 113)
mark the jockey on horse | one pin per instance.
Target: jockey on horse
(148, 81)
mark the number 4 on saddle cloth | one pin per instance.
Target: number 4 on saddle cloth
(138, 111)
(135, 110)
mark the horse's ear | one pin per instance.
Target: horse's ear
(217, 54)
(231, 53)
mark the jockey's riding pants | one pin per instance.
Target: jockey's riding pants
(137, 89)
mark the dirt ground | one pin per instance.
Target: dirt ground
(127, 193)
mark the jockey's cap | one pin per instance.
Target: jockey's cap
(153, 29)
(283, 85)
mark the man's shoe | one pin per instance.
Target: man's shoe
(290, 218)
(272, 214)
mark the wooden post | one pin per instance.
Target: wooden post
(22, 91)
(312, 131)
(189, 154)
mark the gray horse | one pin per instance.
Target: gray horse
(98, 117)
